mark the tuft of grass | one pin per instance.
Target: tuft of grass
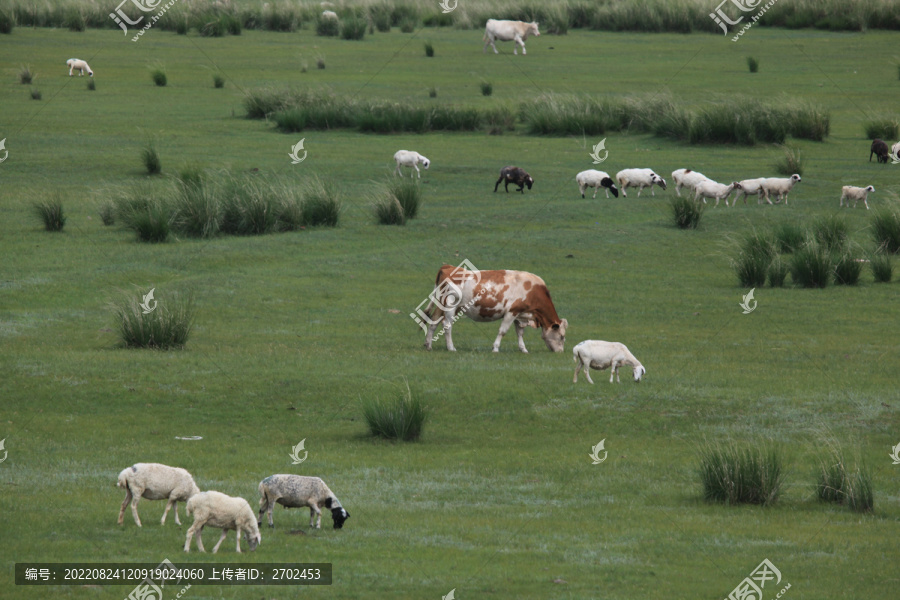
(836, 483)
(249, 206)
(752, 64)
(218, 81)
(182, 27)
(167, 325)
(886, 230)
(7, 22)
(811, 266)
(106, 210)
(884, 128)
(388, 210)
(429, 49)
(50, 212)
(328, 27)
(196, 209)
(754, 258)
(685, 212)
(74, 20)
(487, 88)
(353, 28)
(321, 204)
(320, 62)
(408, 25)
(432, 92)
(36, 95)
(847, 269)
(778, 270)
(381, 17)
(142, 210)
(158, 75)
(740, 475)
(151, 160)
(26, 75)
(408, 194)
(791, 162)
(882, 266)
(788, 237)
(92, 84)
(831, 232)
(403, 419)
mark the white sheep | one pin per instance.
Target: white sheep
(222, 511)
(712, 189)
(295, 491)
(687, 178)
(79, 65)
(408, 158)
(850, 192)
(601, 355)
(154, 481)
(750, 187)
(895, 151)
(329, 14)
(639, 178)
(596, 179)
(780, 186)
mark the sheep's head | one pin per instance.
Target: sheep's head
(608, 183)
(253, 540)
(658, 181)
(426, 162)
(555, 336)
(870, 189)
(639, 373)
(795, 178)
(339, 515)
(529, 181)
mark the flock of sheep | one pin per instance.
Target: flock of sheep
(154, 481)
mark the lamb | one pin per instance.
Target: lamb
(329, 14)
(295, 491)
(600, 355)
(596, 179)
(711, 189)
(220, 510)
(516, 176)
(856, 194)
(778, 185)
(750, 187)
(686, 178)
(408, 158)
(880, 149)
(79, 65)
(154, 481)
(639, 178)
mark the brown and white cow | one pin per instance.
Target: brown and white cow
(511, 296)
(505, 31)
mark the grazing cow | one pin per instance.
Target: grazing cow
(513, 296)
(514, 175)
(76, 64)
(517, 31)
(880, 149)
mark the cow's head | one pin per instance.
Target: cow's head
(534, 29)
(639, 372)
(555, 336)
(608, 183)
(529, 181)
(339, 515)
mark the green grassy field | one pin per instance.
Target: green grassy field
(499, 498)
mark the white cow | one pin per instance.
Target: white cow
(408, 158)
(516, 31)
(79, 65)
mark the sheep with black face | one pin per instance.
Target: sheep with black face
(295, 491)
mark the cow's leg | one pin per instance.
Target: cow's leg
(520, 332)
(504, 327)
(448, 332)
(518, 40)
(429, 334)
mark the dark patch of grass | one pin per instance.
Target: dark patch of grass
(320, 62)
(92, 85)
(7, 22)
(755, 255)
(182, 27)
(36, 94)
(50, 212)
(791, 162)
(752, 64)
(158, 76)
(167, 325)
(429, 49)
(686, 213)
(328, 27)
(403, 419)
(408, 25)
(151, 160)
(353, 28)
(831, 232)
(26, 75)
(432, 92)
(218, 81)
(885, 129)
(487, 88)
(882, 266)
(321, 204)
(788, 237)
(740, 475)
(886, 230)
(811, 266)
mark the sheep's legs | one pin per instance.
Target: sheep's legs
(190, 534)
(134, 502)
(170, 504)
(520, 331)
(124, 504)
(416, 167)
(313, 513)
(222, 539)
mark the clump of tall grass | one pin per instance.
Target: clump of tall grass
(196, 208)
(882, 267)
(740, 475)
(320, 62)
(752, 64)
(755, 255)
(328, 27)
(847, 269)
(408, 194)
(778, 271)
(831, 232)
(429, 49)
(487, 88)
(886, 230)
(388, 210)
(788, 237)
(432, 92)
(50, 212)
(742, 121)
(790, 162)
(92, 84)
(36, 94)
(499, 119)
(381, 17)
(26, 75)
(218, 81)
(7, 21)
(885, 128)
(401, 419)
(811, 266)
(158, 76)
(167, 325)
(353, 28)
(248, 206)
(836, 483)
(150, 159)
(408, 25)
(321, 204)
(685, 213)
(106, 210)
(75, 20)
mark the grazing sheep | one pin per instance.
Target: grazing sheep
(295, 491)
(329, 14)
(778, 185)
(639, 178)
(596, 179)
(600, 355)
(408, 158)
(750, 187)
(895, 152)
(686, 178)
(880, 149)
(849, 192)
(76, 64)
(516, 176)
(711, 189)
(220, 510)
(154, 481)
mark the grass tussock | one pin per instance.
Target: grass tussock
(353, 28)
(777, 272)
(885, 129)
(218, 81)
(26, 75)
(847, 269)
(752, 64)
(755, 255)
(788, 237)
(408, 194)
(7, 21)
(328, 27)
(811, 266)
(161, 323)
(838, 484)
(401, 419)
(487, 88)
(50, 212)
(686, 213)
(790, 162)
(388, 210)
(106, 210)
(158, 76)
(36, 94)
(886, 230)
(882, 266)
(92, 84)
(150, 159)
(831, 232)
(321, 206)
(741, 475)
(429, 49)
